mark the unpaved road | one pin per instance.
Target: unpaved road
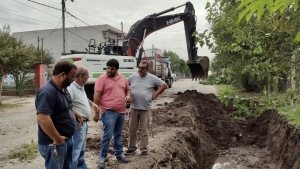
(18, 123)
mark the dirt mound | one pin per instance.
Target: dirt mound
(190, 132)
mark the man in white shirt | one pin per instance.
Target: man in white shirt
(82, 109)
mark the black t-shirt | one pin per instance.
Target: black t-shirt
(54, 102)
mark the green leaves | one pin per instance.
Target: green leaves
(250, 7)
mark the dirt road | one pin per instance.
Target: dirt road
(188, 130)
(18, 123)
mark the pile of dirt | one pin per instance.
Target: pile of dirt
(190, 132)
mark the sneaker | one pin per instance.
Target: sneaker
(122, 159)
(144, 154)
(128, 152)
(101, 165)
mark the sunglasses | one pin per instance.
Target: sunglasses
(142, 68)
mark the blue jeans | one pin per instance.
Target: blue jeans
(113, 123)
(79, 144)
(64, 155)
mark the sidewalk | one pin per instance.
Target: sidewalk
(16, 99)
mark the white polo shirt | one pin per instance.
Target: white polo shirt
(79, 100)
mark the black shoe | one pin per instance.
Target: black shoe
(122, 159)
(101, 164)
(128, 152)
(144, 154)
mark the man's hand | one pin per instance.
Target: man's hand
(96, 108)
(80, 119)
(96, 117)
(159, 90)
(60, 141)
(127, 99)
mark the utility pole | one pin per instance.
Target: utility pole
(38, 43)
(63, 24)
(122, 28)
(42, 51)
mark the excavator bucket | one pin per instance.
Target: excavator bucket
(199, 67)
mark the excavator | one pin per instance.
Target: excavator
(198, 65)
(95, 61)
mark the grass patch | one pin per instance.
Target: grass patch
(250, 95)
(27, 151)
(293, 116)
(2, 106)
(9, 106)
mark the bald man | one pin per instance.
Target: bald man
(82, 109)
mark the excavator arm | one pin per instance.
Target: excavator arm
(154, 22)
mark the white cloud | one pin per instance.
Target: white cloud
(112, 12)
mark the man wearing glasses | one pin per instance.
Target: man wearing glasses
(142, 93)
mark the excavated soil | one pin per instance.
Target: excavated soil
(195, 129)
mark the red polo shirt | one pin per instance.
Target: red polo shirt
(113, 92)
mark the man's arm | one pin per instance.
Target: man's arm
(159, 90)
(79, 117)
(97, 102)
(128, 96)
(94, 105)
(47, 126)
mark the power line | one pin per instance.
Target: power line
(67, 13)
(71, 21)
(35, 8)
(83, 21)
(54, 29)
(25, 17)
(35, 36)
(76, 35)
(45, 5)
(22, 22)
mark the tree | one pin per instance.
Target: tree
(253, 53)
(16, 57)
(178, 64)
(257, 8)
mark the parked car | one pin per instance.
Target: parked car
(174, 76)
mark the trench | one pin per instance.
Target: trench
(208, 136)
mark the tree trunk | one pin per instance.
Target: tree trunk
(269, 89)
(293, 74)
(0, 89)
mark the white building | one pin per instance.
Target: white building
(76, 38)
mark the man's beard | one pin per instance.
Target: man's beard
(111, 74)
(66, 83)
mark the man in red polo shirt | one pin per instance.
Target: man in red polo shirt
(111, 94)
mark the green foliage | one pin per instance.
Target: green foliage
(18, 58)
(254, 54)
(259, 7)
(215, 79)
(243, 106)
(292, 115)
(178, 64)
(28, 151)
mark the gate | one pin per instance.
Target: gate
(18, 85)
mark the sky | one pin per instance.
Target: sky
(25, 15)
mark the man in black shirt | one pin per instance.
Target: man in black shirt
(56, 119)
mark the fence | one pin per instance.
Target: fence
(18, 85)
